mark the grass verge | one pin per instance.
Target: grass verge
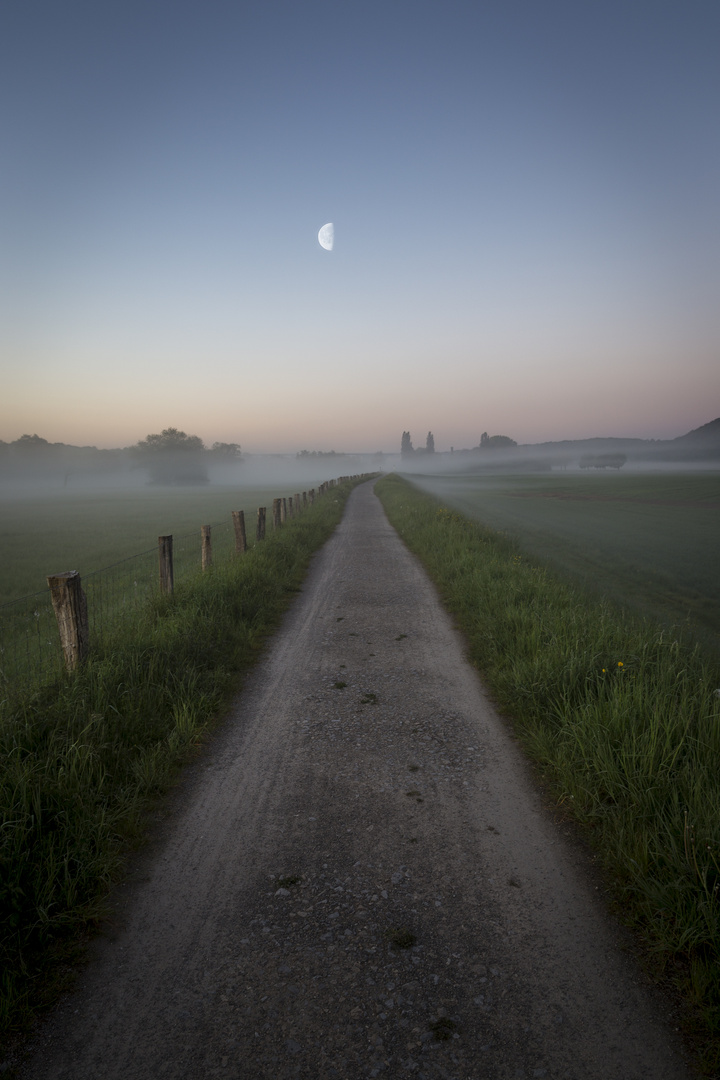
(84, 758)
(646, 540)
(622, 717)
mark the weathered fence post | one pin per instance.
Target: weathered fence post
(276, 513)
(297, 504)
(290, 507)
(260, 533)
(311, 495)
(206, 546)
(304, 499)
(70, 605)
(165, 553)
(283, 512)
(238, 517)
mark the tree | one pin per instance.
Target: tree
(602, 461)
(172, 457)
(430, 443)
(226, 451)
(495, 442)
(406, 446)
(31, 444)
(34, 456)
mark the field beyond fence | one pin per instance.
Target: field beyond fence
(79, 531)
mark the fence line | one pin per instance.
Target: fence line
(31, 646)
(30, 650)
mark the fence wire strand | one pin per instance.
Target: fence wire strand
(30, 650)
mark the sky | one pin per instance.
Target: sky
(524, 195)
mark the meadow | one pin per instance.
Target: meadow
(621, 715)
(83, 757)
(648, 541)
(46, 532)
(110, 537)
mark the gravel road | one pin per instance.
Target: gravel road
(358, 877)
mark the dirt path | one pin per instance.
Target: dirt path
(440, 924)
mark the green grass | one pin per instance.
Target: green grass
(111, 539)
(82, 758)
(647, 540)
(621, 715)
(89, 531)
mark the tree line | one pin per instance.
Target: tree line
(169, 457)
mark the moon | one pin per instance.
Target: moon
(326, 236)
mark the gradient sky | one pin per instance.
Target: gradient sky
(525, 199)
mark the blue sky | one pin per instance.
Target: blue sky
(525, 199)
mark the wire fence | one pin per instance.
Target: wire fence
(30, 650)
(31, 653)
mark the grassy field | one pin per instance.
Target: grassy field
(111, 539)
(81, 758)
(41, 535)
(620, 715)
(648, 541)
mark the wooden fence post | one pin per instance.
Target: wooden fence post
(297, 504)
(283, 512)
(304, 499)
(238, 517)
(276, 513)
(165, 552)
(260, 533)
(70, 605)
(206, 544)
(290, 507)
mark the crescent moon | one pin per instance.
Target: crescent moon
(326, 236)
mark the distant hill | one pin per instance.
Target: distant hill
(708, 434)
(701, 444)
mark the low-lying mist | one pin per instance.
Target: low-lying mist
(33, 467)
(55, 479)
